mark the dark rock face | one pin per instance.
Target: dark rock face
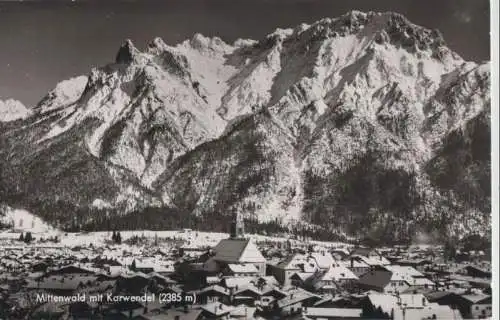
(462, 165)
(126, 53)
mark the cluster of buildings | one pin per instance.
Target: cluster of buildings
(239, 278)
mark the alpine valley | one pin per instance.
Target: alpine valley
(364, 124)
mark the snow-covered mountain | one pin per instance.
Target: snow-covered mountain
(365, 123)
(11, 110)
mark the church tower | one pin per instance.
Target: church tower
(237, 226)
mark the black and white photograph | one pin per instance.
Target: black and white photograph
(248, 159)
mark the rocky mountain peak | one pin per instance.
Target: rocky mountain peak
(127, 52)
(157, 45)
(381, 27)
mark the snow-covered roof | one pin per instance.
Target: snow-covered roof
(333, 312)
(422, 282)
(475, 298)
(232, 282)
(242, 268)
(373, 261)
(238, 251)
(408, 274)
(303, 276)
(339, 272)
(290, 262)
(296, 296)
(385, 301)
(413, 300)
(213, 279)
(323, 259)
(410, 271)
(427, 312)
(395, 276)
(243, 311)
(354, 263)
(217, 308)
(376, 278)
(269, 280)
(215, 288)
(249, 287)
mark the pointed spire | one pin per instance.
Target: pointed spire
(237, 226)
(127, 52)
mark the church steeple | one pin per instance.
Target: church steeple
(237, 226)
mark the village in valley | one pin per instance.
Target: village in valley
(185, 274)
(239, 160)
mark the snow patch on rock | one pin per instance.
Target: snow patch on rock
(11, 110)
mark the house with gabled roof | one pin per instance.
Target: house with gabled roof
(431, 311)
(295, 301)
(302, 279)
(216, 310)
(405, 306)
(306, 264)
(419, 264)
(373, 261)
(243, 312)
(214, 293)
(417, 280)
(329, 301)
(241, 270)
(72, 269)
(365, 251)
(471, 306)
(333, 279)
(274, 292)
(323, 259)
(285, 269)
(475, 271)
(382, 280)
(357, 265)
(233, 282)
(322, 283)
(269, 281)
(246, 295)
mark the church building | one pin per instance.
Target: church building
(238, 250)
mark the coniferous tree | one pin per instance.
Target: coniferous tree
(21, 237)
(118, 238)
(133, 266)
(28, 238)
(380, 312)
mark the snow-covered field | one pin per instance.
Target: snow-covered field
(192, 238)
(24, 221)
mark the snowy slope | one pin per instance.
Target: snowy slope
(24, 221)
(340, 123)
(11, 110)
